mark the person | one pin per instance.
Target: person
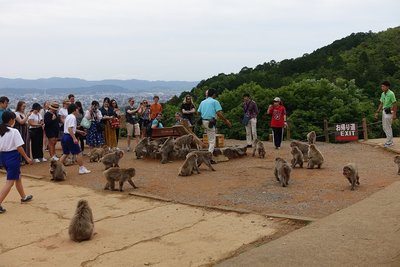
(21, 124)
(180, 120)
(188, 109)
(11, 149)
(278, 121)
(36, 124)
(79, 118)
(155, 107)
(388, 106)
(3, 105)
(108, 113)
(94, 137)
(51, 128)
(62, 114)
(156, 123)
(250, 111)
(209, 109)
(132, 122)
(71, 98)
(117, 112)
(43, 111)
(69, 141)
(144, 117)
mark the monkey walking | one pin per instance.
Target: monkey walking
(259, 147)
(183, 142)
(311, 137)
(314, 157)
(282, 171)
(297, 157)
(167, 149)
(112, 159)
(203, 156)
(82, 225)
(57, 171)
(189, 165)
(116, 174)
(350, 171)
(97, 154)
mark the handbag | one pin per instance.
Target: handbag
(85, 123)
(115, 122)
(246, 119)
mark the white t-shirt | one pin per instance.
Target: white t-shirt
(36, 118)
(11, 140)
(63, 112)
(70, 121)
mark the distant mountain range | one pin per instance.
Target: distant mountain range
(75, 85)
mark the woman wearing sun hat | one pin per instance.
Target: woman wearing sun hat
(51, 128)
(278, 121)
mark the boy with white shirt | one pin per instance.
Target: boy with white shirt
(70, 143)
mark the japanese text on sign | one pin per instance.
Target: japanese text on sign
(346, 132)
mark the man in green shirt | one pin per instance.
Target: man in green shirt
(388, 106)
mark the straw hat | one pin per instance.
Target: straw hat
(54, 106)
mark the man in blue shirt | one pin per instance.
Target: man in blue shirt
(209, 110)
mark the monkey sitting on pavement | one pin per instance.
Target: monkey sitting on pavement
(259, 146)
(82, 225)
(297, 157)
(303, 148)
(311, 137)
(116, 174)
(57, 171)
(314, 157)
(282, 171)
(350, 171)
(189, 165)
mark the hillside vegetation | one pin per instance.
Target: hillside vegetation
(339, 82)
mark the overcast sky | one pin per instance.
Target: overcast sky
(173, 39)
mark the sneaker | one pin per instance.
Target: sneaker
(388, 145)
(2, 210)
(128, 149)
(27, 198)
(36, 160)
(83, 170)
(43, 159)
(54, 158)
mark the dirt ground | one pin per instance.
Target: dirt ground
(248, 182)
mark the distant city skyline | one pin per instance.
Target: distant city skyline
(173, 40)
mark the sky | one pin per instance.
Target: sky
(173, 40)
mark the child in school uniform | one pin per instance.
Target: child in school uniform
(11, 149)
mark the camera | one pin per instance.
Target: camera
(147, 106)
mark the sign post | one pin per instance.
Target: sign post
(346, 131)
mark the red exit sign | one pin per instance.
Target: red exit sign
(346, 131)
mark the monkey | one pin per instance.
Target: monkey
(70, 160)
(303, 148)
(184, 141)
(189, 165)
(97, 154)
(259, 146)
(350, 171)
(202, 156)
(397, 161)
(297, 157)
(311, 137)
(314, 157)
(139, 149)
(57, 171)
(111, 160)
(282, 171)
(82, 225)
(167, 149)
(121, 175)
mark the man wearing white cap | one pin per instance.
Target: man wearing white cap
(278, 121)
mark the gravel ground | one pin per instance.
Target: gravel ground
(249, 182)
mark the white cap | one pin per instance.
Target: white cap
(277, 99)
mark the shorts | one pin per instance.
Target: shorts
(133, 128)
(68, 145)
(11, 161)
